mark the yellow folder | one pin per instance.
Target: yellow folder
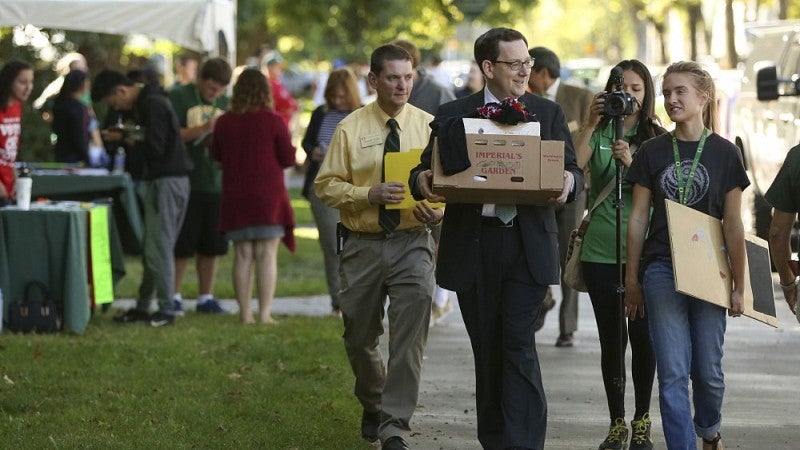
(396, 166)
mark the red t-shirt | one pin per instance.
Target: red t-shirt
(285, 104)
(10, 133)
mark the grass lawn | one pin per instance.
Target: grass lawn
(207, 382)
(299, 274)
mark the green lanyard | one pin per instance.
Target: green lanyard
(685, 185)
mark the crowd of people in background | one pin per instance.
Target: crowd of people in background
(210, 166)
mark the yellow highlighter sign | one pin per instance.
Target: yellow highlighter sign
(397, 166)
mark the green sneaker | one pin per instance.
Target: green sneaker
(640, 433)
(617, 438)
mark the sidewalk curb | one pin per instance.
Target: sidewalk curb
(318, 305)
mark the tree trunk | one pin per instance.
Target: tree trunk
(694, 18)
(730, 36)
(661, 30)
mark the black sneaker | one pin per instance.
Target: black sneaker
(370, 422)
(160, 319)
(210, 306)
(132, 315)
(617, 438)
(640, 434)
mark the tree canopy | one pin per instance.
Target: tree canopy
(350, 29)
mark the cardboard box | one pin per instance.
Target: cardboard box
(507, 167)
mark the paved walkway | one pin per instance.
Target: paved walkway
(762, 369)
(761, 409)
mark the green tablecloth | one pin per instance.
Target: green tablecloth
(52, 246)
(66, 185)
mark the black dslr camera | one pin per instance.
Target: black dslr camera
(617, 102)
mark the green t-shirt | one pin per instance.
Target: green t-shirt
(784, 193)
(599, 244)
(192, 111)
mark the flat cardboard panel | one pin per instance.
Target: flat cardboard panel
(507, 167)
(761, 280)
(700, 263)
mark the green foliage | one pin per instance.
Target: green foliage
(207, 382)
(350, 29)
(101, 51)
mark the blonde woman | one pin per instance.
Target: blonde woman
(341, 98)
(698, 168)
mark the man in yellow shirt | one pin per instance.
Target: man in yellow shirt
(385, 252)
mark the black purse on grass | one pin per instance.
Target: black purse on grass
(34, 312)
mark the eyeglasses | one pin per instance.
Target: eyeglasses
(517, 65)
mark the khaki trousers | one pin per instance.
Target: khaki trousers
(373, 266)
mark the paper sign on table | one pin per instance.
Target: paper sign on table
(100, 255)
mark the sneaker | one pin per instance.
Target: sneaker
(640, 433)
(132, 315)
(617, 438)
(210, 306)
(160, 319)
(177, 307)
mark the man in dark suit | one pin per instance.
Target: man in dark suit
(500, 270)
(545, 80)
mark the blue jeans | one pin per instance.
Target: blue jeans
(687, 336)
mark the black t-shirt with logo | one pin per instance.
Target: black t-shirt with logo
(719, 171)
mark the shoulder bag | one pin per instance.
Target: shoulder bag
(573, 274)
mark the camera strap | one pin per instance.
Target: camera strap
(685, 184)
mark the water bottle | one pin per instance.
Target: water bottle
(119, 161)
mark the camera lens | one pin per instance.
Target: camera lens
(616, 104)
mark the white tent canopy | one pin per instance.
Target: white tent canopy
(201, 25)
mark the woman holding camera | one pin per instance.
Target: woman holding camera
(698, 168)
(597, 148)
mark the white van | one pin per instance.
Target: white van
(766, 130)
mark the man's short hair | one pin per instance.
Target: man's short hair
(387, 52)
(412, 50)
(487, 46)
(184, 59)
(106, 81)
(544, 58)
(216, 69)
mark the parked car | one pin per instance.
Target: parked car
(766, 130)
(590, 73)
